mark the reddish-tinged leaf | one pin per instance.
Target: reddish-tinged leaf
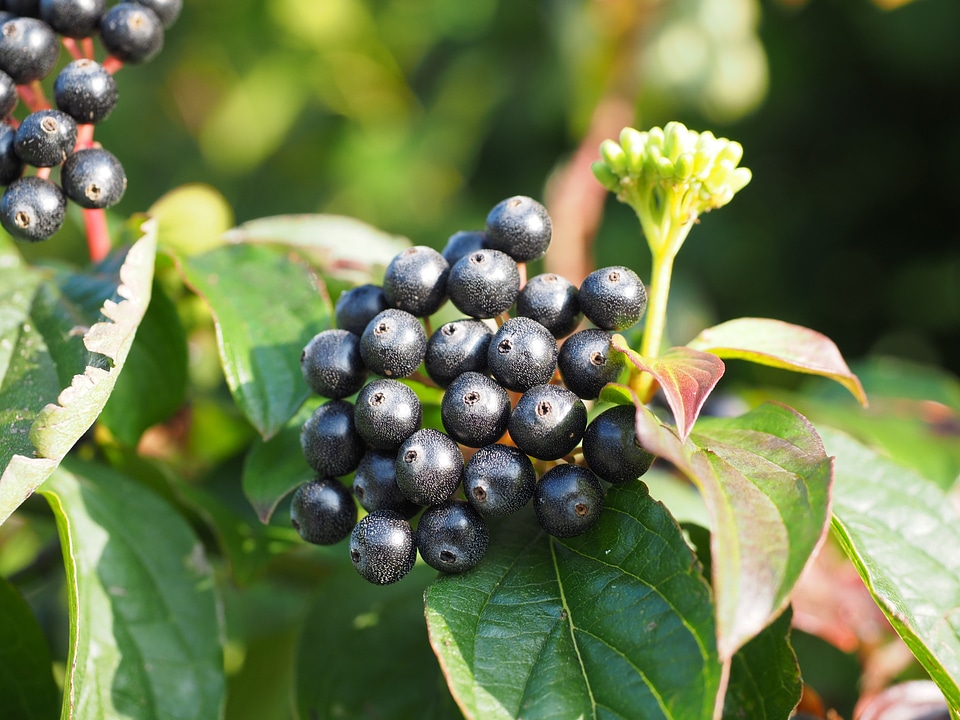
(686, 376)
(781, 345)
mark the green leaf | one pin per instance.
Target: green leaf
(363, 652)
(615, 623)
(780, 345)
(26, 675)
(267, 307)
(903, 535)
(50, 345)
(144, 616)
(687, 377)
(191, 219)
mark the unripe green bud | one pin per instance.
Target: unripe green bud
(665, 167)
(614, 156)
(739, 178)
(674, 136)
(702, 161)
(732, 151)
(651, 162)
(607, 177)
(683, 167)
(633, 144)
(655, 139)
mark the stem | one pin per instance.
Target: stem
(70, 45)
(111, 64)
(98, 237)
(88, 51)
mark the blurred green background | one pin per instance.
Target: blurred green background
(419, 115)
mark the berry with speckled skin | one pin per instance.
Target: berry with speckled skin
(519, 226)
(553, 301)
(416, 281)
(475, 410)
(382, 547)
(131, 32)
(32, 208)
(429, 465)
(8, 95)
(498, 480)
(167, 10)
(331, 364)
(522, 354)
(357, 306)
(323, 511)
(85, 91)
(455, 348)
(587, 362)
(45, 138)
(11, 166)
(613, 298)
(548, 422)
(452, 537)
(568, 500)
(611, 448)
(387, 412)
(393, 343)
(72, 18)
(29, 49)
(375, 484)
(330, 441)
(93, 178)
(462, 243)
(484, 283)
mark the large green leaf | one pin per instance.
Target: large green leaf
(65, 360)
(616, 623)
(144, 616)
(267, 307)
(903, 535)
(26, 671)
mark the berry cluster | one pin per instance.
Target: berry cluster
(84, 92)
(512, 398)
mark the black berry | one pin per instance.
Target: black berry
(387, 413)
(331, 364)
(475, 410)
(548, 422)
(93, 178)
(11, 166)
(72, 18)
(520, 227)
(8, 95)
(553, 301)
(484, 283)
(329, 439)
(323, 511)
(613, 298)
(375, 484)
(611, 448)
(587, 362)
(29, 49)
(45, 138)
(462, 243)
(393, 343)
(32, 208)
(522, 354)
(452, 537)
(498, 480)
(416, 281)
(382, 547)
(167, 10)
(131, 32)
(357, 306)
(455, 348)
(85, 91)
(429, 465)
(568, 500)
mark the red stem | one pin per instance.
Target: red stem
(84, 136)
(71, 47)
(43, 172)
(98, 237)
(88, 51)
(112, 64)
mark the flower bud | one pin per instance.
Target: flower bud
(607, 177)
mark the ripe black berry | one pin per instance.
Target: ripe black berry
(416, 281)
(475, 410)
(462, 243)
(520, 227)
(72, 18)
(498, 480)
(167, 10)
(93, 178)
(393, 343)
(548, 422)
(24, 8)
(568, 500)
(8, 95)
(331, 364)
(29, 49)
(375, 484)
(131, 32)
(11, 166)
(387, 413)
(323, 511)
(455, 348)
(484, 283)
(429, 465)
(382, 547)
(85, 91)
(329, 439)
(553, 301)
(611, 448)
(613, 298)
(452, 537)
(587, 362)
(522, 354)
(32, 208)
(357, 306)
(45, 138)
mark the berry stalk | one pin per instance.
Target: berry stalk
(98, 236)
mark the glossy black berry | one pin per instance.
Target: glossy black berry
(484, 283)
(24, 8)
(498, 480)
(93, 178)
(382, 547)
(393, 343)
(611, 448)
(330, 441)
(475, 410)
(429, 465)
(462, 243)
(45, 138)
(387, 413)
(32, 208)
(452, 537)
(519, 226)
(613, 298)
(8, 95)
(568, 500)
(85, 91)
(11, 166)
(548, 422)
(323, 511)
(455, 348)
(167, 10)
(358, 306)
(587, 362)
(131, 32)
(553, 301)
(331, 364)
(29, 49)
(72, 18)
(522, 354)
(416, 281)
(375, 484)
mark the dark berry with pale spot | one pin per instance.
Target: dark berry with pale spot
(475, 410)
(548, 422)
(553, 301)
(519, 226)
(331, 364)
(568, 500)
(387, 412)
(587, 362)
(452, 537)
(329, 439)
(429, 465)
(393, 343)
(498, 480)
(611, 447)
(383, 548)
(522, 354)
(455, 348)
(323, 511)
(613, 298)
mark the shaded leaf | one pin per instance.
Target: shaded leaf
(144, 618)
(579, 627)
(267, 307)
(781, 345)
(191, 219)
(903, 535)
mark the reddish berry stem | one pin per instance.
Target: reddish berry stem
(98, 236)
(70, 45)
(88, 51)
(84, 136)
(112, 64)
(43, 172)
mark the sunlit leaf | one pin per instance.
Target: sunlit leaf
(191, 219)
